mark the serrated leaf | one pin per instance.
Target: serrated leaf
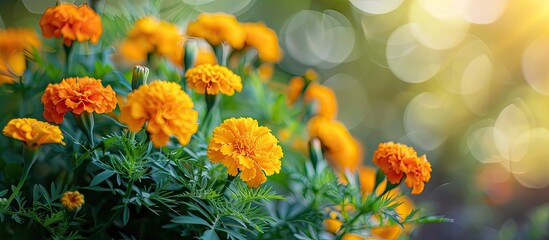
(99, 178)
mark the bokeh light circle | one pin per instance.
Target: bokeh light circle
(377, 6)
(481, 12)
(424, 121)
(409, 60)
(321, 39)
(511, 131)
(352, 100)
(534, 65)
(535, 161)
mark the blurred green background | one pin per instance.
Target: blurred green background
(465, 82)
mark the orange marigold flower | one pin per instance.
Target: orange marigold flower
(216, 28)
(77, 95)
(166, 107)
(324, 98)
(150, 35)
(398, 161)
(204, 56)
(241, 145)
(72, 23)
(294, 89)
(33, 132)
(72, 200)
(341, 149)
(14, 44)
(264, 40)
(213, 79)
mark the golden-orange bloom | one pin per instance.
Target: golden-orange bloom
(216, 28)
(205, 56)
(398, 161)
(242, 145)
(213, 79)
(294, 89)
(72, 23)
(72, 200)
(77, 95)
(167, 109)
(264, 40)
(150, 35)
(15, 43)
(324, 98)
(33, 132)
(342, 150)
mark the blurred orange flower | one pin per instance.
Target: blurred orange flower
(324, 98)
(150, 35)
(341, 149)
(398, 161)
(72, 23)
(205, 56)
(77, 95)
(213, 79)
(216, 28)
(72, 200)
(166, 107)
(242, 145)
(294, 89)
(264, 40)
(14, 44)
(33, 132)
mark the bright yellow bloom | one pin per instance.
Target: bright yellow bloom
(213, 79)
(264, 40)
(33, 132)
(152, 36)
(398, 161)
(77, 95)
(14, 44)
(216, 28)
(325, 99)
(340, 148)
(167, 109)
(241, 145)
(72, 200)
(205, 56)
(72, 23)
(294, 89)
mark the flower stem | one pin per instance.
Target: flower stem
(86, 123)
(67, 59)
(31, 153)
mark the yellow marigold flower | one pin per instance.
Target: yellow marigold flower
(72, 200)
(72, 23)
(77, 95)
(150, 35)
(241, 145)
(213, 79)
(398, 161)
(341, 149)
(264, 40)
(294, 89)
(33, 132)
(216, 28)
(325, 99)
(14, 43)
(204, 56)
(350, 236)
(166, 107)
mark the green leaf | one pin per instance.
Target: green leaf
(191, 219)
(125, 215)
(209, 235)
(3, 192)
(99, 178)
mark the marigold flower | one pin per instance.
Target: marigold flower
(150, 35)
(14, 43)
(213, 79)
(33, 132)
(166, 107)
(341, 149)
(265, 71)
(325, 99)
(398, 161)
(77, 95)
(72, 200)
(72, 23)
(241, 145)
(294, 89)
(204, 56)
(264, 40)
(216, 28)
